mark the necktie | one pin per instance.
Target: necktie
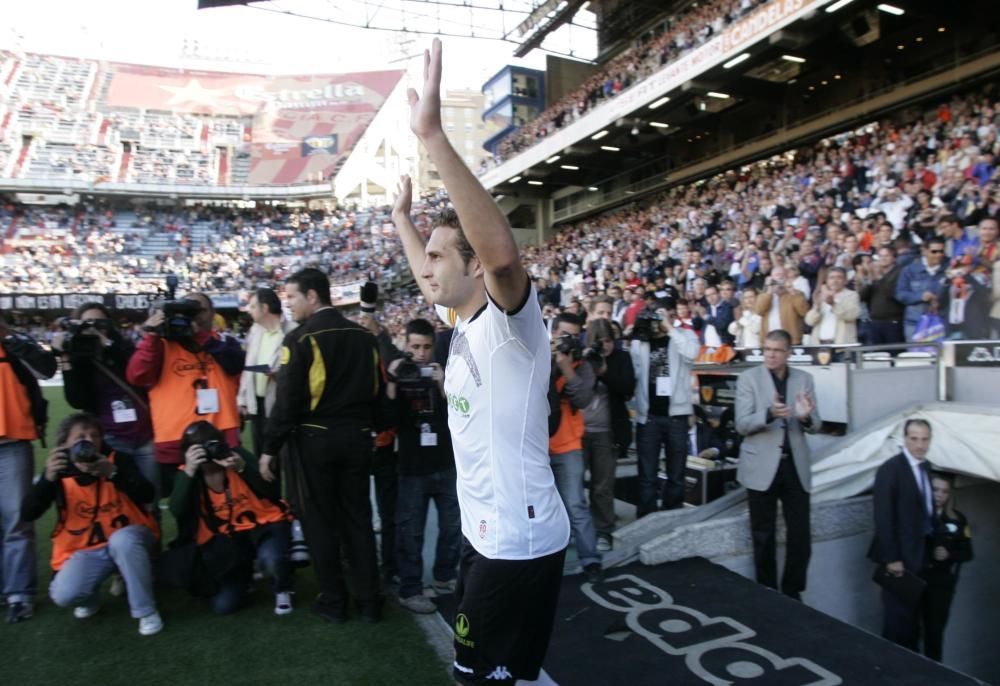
(925, 494)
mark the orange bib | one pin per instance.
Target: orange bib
(16, 421)
(94, 512)
(239, 509)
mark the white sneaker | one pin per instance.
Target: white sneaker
(283, 603)
(85, 612)
(603, 544)
(420, 604)
(151, 624)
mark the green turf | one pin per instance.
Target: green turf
(251, 647)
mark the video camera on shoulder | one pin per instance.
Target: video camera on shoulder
(179, 322)
(646, 324)
(416, 386)
(81, 336)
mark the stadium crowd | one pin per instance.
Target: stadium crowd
(677, 36)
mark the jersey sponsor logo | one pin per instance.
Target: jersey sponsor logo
(181, 367)
(286, 355)
(678, 630)
(460, 350)
(458, 403)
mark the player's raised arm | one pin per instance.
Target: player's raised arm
(483, 223)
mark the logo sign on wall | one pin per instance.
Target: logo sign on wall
(319, 145)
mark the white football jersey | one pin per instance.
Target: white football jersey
(496, 384)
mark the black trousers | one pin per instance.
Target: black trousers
(385, 469)
(787, 488)
(936, 608)
(884, 332)
(257, 426)
(330, 481)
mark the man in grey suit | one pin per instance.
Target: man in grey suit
(775, 407)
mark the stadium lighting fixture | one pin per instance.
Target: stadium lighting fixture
(514, 179)
(569, 166)
(610, 148)
(656, 103)
(736, 60)
(837, 5)
(793, 58)
(599, 135)
(554, 158)
(534, 183)
(716, 94)
(659, 125)
(592, 189)
(891, 9)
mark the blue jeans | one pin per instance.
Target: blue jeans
(79, 579)
(18, 575)
(659, 432)
(415, 492)
(272, 560)
(567, 468)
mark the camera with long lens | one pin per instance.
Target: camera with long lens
(179, 318)
(569, 345)
(82, 452)
(82, 338)
(416, 387)
(215, 449)
(645, 325)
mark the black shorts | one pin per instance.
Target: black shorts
(504, 618)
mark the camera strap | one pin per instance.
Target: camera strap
(121, 384)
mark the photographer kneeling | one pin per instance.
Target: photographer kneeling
(233, 517)
(426, 469)
(94, 356)
(102, 525)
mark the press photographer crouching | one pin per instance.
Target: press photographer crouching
(232, 517)
(426, 468)
(103, 522)
(192, 374)
(94, 357)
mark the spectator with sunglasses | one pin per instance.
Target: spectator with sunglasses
(190, 378)
(921, 284)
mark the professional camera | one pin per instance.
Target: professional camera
(594, 352)
(215, 450)
(180, 316)
(416, 386)
(81, 336)
(84, 452)
(569, 345)
(645, 325)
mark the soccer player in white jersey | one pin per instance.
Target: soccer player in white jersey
(514, 525)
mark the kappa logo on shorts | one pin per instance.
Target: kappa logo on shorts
(482, 528)
(500, 673)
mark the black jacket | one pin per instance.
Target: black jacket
(620, 380)
(880, 297)
(330, 372)
(901, 517)
(30, 362)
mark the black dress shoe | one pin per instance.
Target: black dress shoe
(595, 574)
(370, 612)
(332, 611)
(19, 612)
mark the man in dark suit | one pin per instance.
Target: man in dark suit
(718, 314)
(775, 408)
(904, 508)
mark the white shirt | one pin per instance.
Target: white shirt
(774, 319)
(923, 485)
(496, 383)
(827, 323)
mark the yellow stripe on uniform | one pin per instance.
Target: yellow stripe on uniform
(317, 376)
(377, 372)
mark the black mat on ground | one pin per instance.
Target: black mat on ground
(691, 623)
